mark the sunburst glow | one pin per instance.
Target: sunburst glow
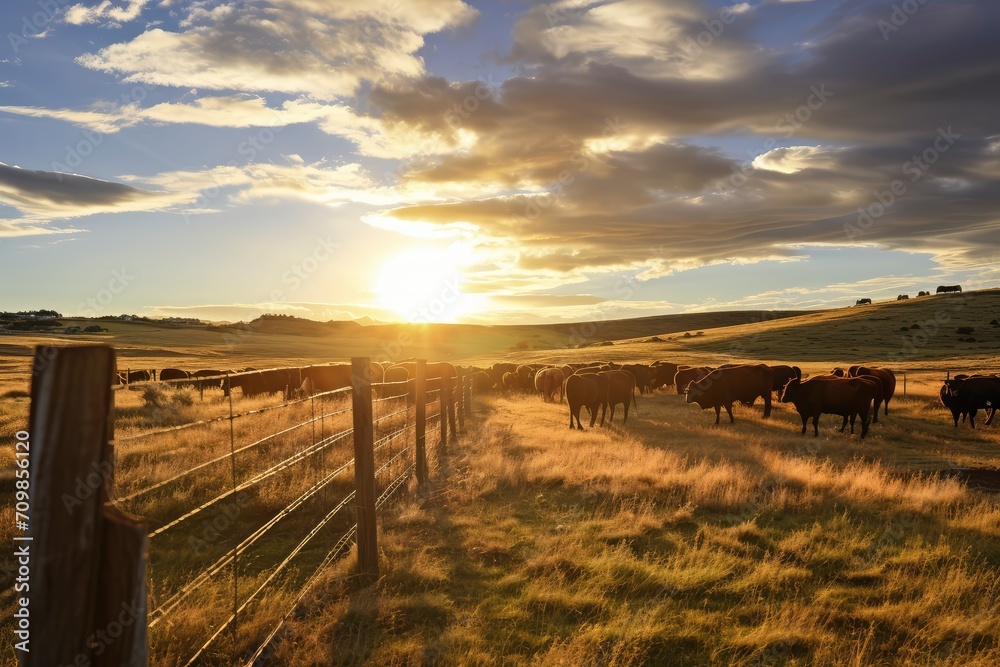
(423, 285)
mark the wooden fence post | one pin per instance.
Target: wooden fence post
(445, 398)
(364, 466)
(421, 405)
(87, 560)
(468, 399)
(450, 383)
(461, 400)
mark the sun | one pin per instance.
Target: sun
(422, 285)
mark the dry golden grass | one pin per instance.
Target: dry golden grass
(670, 541)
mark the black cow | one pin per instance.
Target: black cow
(847, 397)
(944, 289)
(128, 377)
(863, 302)
(173, 374)
(967, 395)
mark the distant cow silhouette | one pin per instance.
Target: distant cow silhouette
(943, 289)
(922, 293)
(863, 302)
(902, 297)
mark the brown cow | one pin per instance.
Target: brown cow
(724, 386)
(888, 379)
(588, 390)
(782, 374)
(510, 382)
(481, 381)
(328, 377)
(663, 373)
(621, 389)
(879, 395)
(848, 397)
(548, 381)
(643, 374)
(687, 374)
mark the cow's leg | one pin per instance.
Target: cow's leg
(729, 411)
(805, 421)
(972, 419)
(767, 405)
(852, 422)
(718, 413)
(875, 414)
(604, 411)
(816, 425)
(612, 417)
(864, 422)
(844, 425)
(989, 416)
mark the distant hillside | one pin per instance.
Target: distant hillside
(925, 329)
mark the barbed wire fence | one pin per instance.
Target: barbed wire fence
(244, 512)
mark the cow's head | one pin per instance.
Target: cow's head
(790, 391)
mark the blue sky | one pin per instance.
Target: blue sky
(493, 162)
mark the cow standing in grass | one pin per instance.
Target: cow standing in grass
(847, 397)
(967, 395)
(621, 389)
(725, 386)
(588, 390)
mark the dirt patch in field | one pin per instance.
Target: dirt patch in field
(981, 479)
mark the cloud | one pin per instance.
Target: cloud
(106, 13)
(18, 228)
(796, 158)
(214, 111)
(290, 46)
(46, 194)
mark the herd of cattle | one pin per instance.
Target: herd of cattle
(942, 289)
(858, 391)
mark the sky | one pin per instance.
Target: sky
(494, 162)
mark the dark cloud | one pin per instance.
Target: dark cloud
(32, 190)
(596, 143)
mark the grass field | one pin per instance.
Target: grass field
(666, 541)
(669, 541)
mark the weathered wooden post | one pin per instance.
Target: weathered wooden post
(364, 466)
(445, 398)
(468, 397)
(87, 560)
(420, 388)
(461, 400)
(450, 383)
